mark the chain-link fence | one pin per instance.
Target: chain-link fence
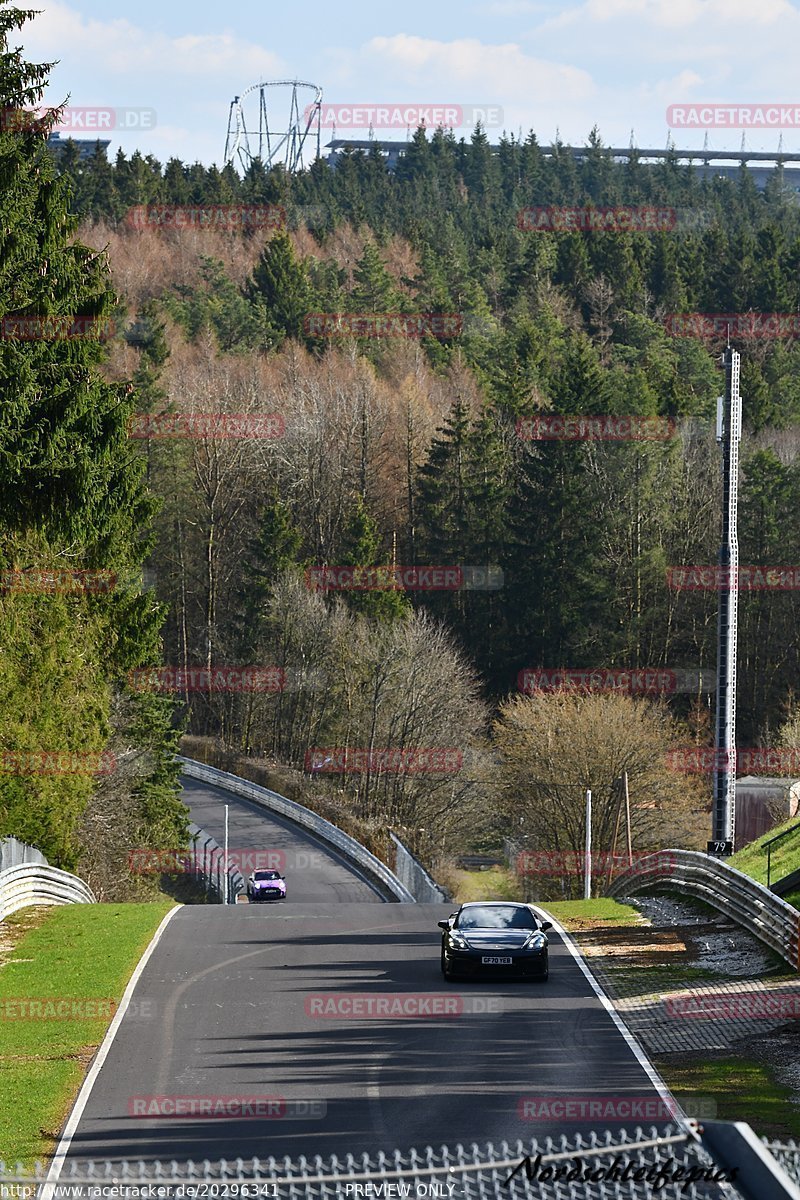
(413, 875)
(207, 863)
(14, 853)
(787, 1153)
(673, 1162)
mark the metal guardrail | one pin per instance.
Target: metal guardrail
(731, 892)
(693, 1163)
(411, 873)
(32, 883)
(377, 872)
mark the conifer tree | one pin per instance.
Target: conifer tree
(280, 287)
(361, 547)
(374, 289)
(72, 496)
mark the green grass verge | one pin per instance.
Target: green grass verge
(78, 953)
(496, 883)
(785, 857)
(576, 914)
(741, 1090)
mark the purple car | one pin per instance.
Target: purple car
(266, 885)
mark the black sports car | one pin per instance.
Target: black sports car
(495, 938)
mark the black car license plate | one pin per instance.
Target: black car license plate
(493, 960)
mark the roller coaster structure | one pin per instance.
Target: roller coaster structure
(245, 142)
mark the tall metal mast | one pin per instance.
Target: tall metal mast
(729, 432)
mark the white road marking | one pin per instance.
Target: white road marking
(641, 1057)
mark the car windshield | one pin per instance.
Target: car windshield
(266, 875)
(496, 916)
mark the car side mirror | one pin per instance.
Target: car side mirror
(545, 925)
(443, 924)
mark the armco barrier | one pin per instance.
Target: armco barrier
(32, 883)
(739, 897)
(376, 871)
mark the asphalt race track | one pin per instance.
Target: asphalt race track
(315, 874)
(257, 1002)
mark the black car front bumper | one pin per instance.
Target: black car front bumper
(524, 965)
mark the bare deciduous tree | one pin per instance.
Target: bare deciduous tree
(554, 746)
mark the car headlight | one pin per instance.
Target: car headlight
(458, 941)
(536, 941)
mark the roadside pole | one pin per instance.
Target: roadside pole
(587, 857)
(225, 863)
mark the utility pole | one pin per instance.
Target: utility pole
(729, 432)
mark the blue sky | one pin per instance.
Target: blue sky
(617, 64)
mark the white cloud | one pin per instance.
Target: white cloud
(122, 48)
(491, 71)
(676, 14)
(649, 54)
